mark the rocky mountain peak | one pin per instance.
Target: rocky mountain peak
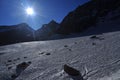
(87, 15)
(52, 22)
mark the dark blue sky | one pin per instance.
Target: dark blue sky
(13, 11)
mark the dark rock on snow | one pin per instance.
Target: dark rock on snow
(21, 67)
(71, 71)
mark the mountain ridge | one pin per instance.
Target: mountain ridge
(78, 21)
(87, 15)
(93, 55)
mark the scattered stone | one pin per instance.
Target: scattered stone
(70, 49)
(9, 67)
(7, 64)
(65, 45)
(14, 76)
(42, 52)
(2, 53)
(21, 67)
(71, 71)
(74, 74)
(29, 62)
(93, 37)
(93, 43)
(16, 59)
(25, 57)
(9, 60)
(47, 53)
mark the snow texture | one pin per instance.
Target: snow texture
(98, 61)
(96, 54)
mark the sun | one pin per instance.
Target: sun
(29, 11)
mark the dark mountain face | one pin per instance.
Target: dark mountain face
(87, 15)
(47, 30)
(24, 33)
(16, 33)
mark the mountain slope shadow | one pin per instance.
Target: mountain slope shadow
(94, 17)
(16, 34)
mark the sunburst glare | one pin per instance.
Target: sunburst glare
(30, 11)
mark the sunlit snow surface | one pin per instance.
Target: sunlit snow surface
(101, 59)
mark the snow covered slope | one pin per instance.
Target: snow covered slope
(97, 57)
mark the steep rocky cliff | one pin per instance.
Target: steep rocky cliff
(87, 15)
